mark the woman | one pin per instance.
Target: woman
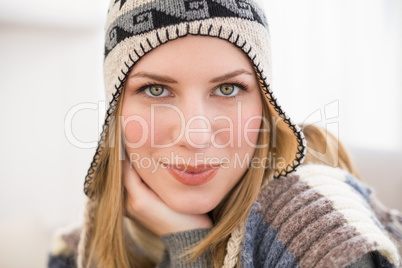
(198, 165)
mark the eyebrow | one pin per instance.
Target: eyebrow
(160, 78)
(167, 79)
(230, 75)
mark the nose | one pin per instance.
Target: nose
(196, 130)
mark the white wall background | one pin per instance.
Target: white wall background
(344, 55)
(345, 51)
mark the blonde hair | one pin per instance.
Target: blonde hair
(110, 238)
(324, 148)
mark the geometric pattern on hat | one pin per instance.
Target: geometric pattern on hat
(152, 16)
(136, 27)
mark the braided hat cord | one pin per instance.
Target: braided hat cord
(233, 246)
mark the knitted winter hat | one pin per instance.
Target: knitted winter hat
(136, 27)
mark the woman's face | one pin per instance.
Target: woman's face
(190, 117)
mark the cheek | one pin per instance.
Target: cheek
(135, 126)
(144, 127)
(251, 119)
(135, 130)
(238, 128)
(251, 129)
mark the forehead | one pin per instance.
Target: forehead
(192, 53)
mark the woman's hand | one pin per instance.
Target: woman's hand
(143, 205)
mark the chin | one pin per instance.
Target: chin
(192, 206)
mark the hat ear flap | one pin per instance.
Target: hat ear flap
(287, 142)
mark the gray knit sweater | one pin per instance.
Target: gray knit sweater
(317, 217)
(177, 243)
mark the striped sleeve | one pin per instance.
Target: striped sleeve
(313, 218)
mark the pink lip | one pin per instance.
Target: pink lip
(193, 175)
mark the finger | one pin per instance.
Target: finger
(134, 185)
(131, 180)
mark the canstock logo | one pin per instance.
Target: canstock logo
(327, 117)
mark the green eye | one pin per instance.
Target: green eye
(227, 89)
(156, 90)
